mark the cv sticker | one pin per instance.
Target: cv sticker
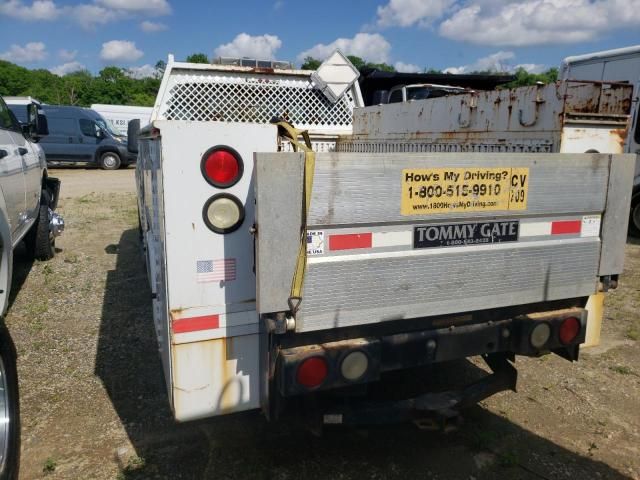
(439, 190)
(461, 234)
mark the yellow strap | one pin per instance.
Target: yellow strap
(292, 134)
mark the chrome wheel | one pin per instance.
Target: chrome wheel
(109, 161)
(5, 418)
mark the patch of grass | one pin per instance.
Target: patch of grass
(47, 271)
(131, 216)
(49, 465)
(509, 459)
(37, 307)
(621, 369)
(592, 447)
(633, 334)
(135, 463)
(482, 439)
(85, 199)
(71, 258)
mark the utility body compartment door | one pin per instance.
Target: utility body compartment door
(400, 236)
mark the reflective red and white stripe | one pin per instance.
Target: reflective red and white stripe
(194, 324)
(586, 226)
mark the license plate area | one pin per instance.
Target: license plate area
(465, 234)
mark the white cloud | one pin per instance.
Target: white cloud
(244, 45)
(67, 55)
(151, 27)
(88, 16)
(496, 62)
(278, 4)
(404, 13)
(143, 71)
(68, 67)
(372, 47)
(152, 7)
(537, 22)
(531, 67)
(120, 51)
(29, 53)
(38, 10)
(407, 67)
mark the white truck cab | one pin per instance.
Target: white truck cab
(422, 91)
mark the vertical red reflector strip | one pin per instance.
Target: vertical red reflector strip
(566, 227)
(194, 324)
(350, 241)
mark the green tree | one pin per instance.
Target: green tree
(112, 85)
(524, 78)
(197, 58)
(359, 63)
(14, 80)
(310, 63)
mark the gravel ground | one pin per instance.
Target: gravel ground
(94, 403)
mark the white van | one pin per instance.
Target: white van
(619, 65)
(121, 115)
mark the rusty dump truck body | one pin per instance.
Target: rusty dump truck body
(542, 119)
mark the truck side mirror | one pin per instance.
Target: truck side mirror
(37, 125)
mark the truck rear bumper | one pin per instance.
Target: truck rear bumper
(559, 331)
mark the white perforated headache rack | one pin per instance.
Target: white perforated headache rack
(232, 93)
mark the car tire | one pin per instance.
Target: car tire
(40, 241)
(634, 215)
(110, 161)
(9, 409)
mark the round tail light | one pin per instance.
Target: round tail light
(569, 329)
(312, 372)
(221, 166)
(223, 213)
(354, 365)
(540, 335)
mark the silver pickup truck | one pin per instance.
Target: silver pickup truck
(28, 198)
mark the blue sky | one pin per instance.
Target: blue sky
(459, 35)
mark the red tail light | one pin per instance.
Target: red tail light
(221, 166)
(569, 329)
(312, 372)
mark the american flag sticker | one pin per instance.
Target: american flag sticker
(216, 270)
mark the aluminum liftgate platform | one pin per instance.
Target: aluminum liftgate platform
(405, 235)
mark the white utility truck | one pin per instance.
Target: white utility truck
(417, 233)
(618, 65)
